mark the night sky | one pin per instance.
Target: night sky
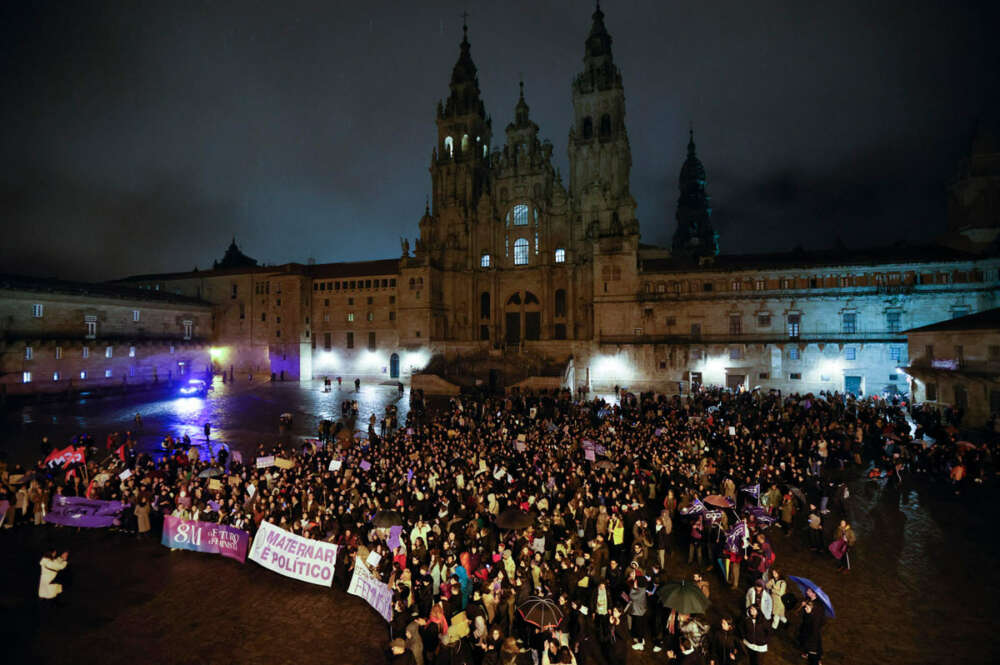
(139, 137)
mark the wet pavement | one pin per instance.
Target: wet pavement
(923, 589)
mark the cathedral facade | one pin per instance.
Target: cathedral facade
(516, 273)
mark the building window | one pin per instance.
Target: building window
(958, 312)
(392, 300)
(188, 329)
(736, 285)
(350, 317)
(58, 353)
(795, 376)
(560, 255)
(520, 215)
(277, 333)
(131, 352)
(786, 283)
(850, 353)
(243, 311)
(520, 252)
(794, 353)
(895, 353)
(893, 321)
(107, 374)
(892, 377)
(371, 341)
(793, 325)
(172, 349)
(371, 316)
(86, 352)
(28, 353)
(849, 323)
(735, 353)
(484, 261)
(671, 321)
(350, 301)
(326, 317)
(993, 352)
(135, 315)
(735, 324)
(696, 354)
(844, 282)
(83, 374)
(763, 320)
(233, 292)
(131, 370)
(536, 243)
(277, 319)
(560, 302)
(824, 377)
(55, 376)
(695, 330)
(350, 340)
(637, 331)
(109, 351)
(371, 300)
(91, 324)
(26, 377)
(763, 376)
(707, 286)
(931, 392)
(418, 334)
(759, 285)
(392, 316)
(37, 311)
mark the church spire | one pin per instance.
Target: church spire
(464, 98)
(694, 235)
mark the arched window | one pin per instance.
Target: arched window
(514, 299)
(605, 126)
(484, 305)
(530, 298)
(536, 243)
(520, 215)
(486, 150)
(588, 128)
(449, 146)
(465, 143)
(561, 302)
(521, 252)
(484, 261)
(560, 255)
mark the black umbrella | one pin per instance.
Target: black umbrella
(541, 612)
(385, 519)
(512, 518)
(684, 597)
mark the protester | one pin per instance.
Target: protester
(52, 564)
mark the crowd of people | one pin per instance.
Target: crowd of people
(602, 511)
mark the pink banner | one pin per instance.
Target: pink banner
(205, 537)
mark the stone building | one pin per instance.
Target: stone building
(58, 336)
(956, 364)
(515, 273)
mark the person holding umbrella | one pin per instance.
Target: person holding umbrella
(810, 632)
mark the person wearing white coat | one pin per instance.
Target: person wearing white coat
(757, 595)
(51, 564)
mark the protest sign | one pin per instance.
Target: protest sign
(732, 430)
(588, 454)
(234, 480)
(214, 484)
(283, 463)
(205, 537)
(78, 511)
(365, 465)
(294, 556)
(125, 475)
(236, 457)
(377, 594)
(393, 541)
(373, 559)
(265, 462)
(521, 438)
(334, 465)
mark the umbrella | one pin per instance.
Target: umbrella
(541, 612)
(385, 519)
(965, 445)
(210, 472)
(684, 597)
(605, 464)
(512, 518)
(820, 594)
(798, 494)
(718, 501)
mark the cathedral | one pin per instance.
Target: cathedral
(518, 277)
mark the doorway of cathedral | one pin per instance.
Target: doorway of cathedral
(736, 381)
(852, 385)
(513, 327)
(394, 366)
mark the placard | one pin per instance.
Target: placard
(294, 556)
(265, 462)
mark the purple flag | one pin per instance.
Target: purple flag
(365, 465)
(78, 511)
(393, 540)
(409, 475)
(752, 490)
(696, 507)
(214, 505)
(205, 537)
(736, 539)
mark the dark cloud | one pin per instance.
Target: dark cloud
(141, 136)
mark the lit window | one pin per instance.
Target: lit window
(107, 374)
(188, 328)
(83, 374)
(521, 252)
(86, 352)
(759, 285)
(371, 316)
(850, 353)
(793, 353)
(28, 353)
(449, 146)
(58, 353)
(91, 324)
(131, 370)
(37, 311)
(108, 351)
(736, 285)
(536, 243)
(794, 320)
(26, 377)
(520, 215)
(895, 353)
(849, 323)
(484, 261)
(131, 352)
(893, 321)
(135, 315)
(172, 348)
(55, 376)
(350, 316)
